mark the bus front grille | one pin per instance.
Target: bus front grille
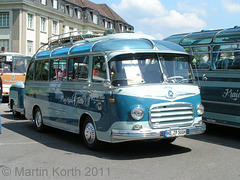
(171, 114)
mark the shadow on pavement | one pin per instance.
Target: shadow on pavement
(221, 135)
(72, 143)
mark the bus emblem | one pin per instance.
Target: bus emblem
(13, 77)
(170, 94)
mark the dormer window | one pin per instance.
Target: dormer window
(95, 19)
(70, 12)
(55, 4)
(62, 8)
(79, 15)
(44, 2)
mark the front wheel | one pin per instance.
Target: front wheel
(38, 120)
(168, 140)
(90, 136)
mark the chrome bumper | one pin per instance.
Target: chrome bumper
(127, 135)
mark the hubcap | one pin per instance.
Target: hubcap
(38, 119)
(89, 133)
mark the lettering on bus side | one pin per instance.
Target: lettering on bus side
(232, 94)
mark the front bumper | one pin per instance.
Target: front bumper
(127, 135)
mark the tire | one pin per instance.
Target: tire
(89, 135)
(168, 140)
(15, 113)
(38, 120)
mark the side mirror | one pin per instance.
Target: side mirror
(107, 83)
(204, 77)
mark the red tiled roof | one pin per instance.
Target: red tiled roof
(103, 9)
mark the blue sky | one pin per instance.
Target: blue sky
(162, 18)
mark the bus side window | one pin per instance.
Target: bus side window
(99, 69)
(78, 69)
(58, 70)
(30, 73)
(42, 69)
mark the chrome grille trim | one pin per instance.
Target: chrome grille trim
(171, 114)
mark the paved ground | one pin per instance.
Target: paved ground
(27, 154)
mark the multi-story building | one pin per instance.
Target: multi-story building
(25, 25)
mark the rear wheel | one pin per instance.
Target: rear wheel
(14, 112)
(38, 120)
(90, 136)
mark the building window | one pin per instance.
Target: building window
(43, 24)
(95, 19)
(62, 8)
(63, 29)
(30, 21)
(29, 48)
(71, 12)
(54, 30)
(55, 4)
(4, 43)
(44, 2)
(79, 14)
(4, 19)
(70, 29)
(121, 27)
(106, 24)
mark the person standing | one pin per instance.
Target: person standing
(0, 102)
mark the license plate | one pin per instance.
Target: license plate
(174, 133)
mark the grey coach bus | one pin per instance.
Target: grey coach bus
(217, 55)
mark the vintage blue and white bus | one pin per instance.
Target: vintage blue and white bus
(217, 55)
(115, 88)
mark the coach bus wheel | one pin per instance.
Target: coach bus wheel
(90, 136)
(38, 120)
(14, 112)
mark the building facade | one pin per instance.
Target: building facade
(25, 25)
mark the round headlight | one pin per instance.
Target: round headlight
(200, 109)
(137, 113)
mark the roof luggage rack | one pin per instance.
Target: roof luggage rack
(69, 38)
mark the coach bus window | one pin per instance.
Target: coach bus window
(42, 69)
(226, 57)
(30, 73)
(58, 70)
(99, 69)
(201, 57)
(78, 69)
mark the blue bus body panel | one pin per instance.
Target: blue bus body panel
(43, 54)
(60, 52)
(16, 93)
(81, 49)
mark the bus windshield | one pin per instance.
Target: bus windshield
(5, 64)
(176, 68)
(13, 64)
(20, 64)
(132, 69)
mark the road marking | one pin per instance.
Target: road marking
(22, 143)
